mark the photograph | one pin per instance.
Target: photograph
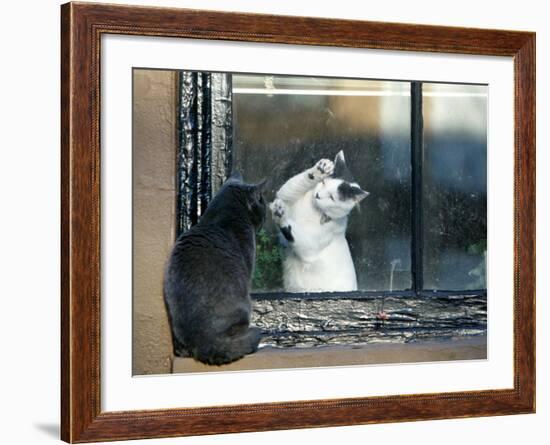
(274, 222)
(290, 221)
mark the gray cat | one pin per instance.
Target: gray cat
(208, 276)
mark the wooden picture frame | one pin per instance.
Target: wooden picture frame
(82, 26)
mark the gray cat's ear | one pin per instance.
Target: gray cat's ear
(260, 186)
(257, 189)
(236, 176)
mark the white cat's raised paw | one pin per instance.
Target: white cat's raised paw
(321, 170)
(278, 210)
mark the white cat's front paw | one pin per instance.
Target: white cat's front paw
(278, 210)
(321, 170)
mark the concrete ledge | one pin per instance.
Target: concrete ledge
(467, 348)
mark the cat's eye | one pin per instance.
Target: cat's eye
(332, 197)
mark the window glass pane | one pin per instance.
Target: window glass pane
(455, 186)
(283, 125)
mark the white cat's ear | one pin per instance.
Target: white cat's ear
(340, 168)
(362, 194)
(340, 157)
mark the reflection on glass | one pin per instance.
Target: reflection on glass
(283, 125)
(455, 186)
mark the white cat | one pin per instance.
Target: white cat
(311, 210)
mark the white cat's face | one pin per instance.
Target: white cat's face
(336, 197)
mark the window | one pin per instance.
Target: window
(285, 128)
(418, 241)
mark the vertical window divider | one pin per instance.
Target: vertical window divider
(417, 151)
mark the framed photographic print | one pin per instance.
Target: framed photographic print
(254, 206)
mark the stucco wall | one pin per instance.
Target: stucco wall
(154, 147)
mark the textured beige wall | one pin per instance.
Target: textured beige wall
(154, 151)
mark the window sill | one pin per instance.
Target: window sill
(462, 348)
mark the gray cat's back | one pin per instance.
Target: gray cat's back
(205, 268)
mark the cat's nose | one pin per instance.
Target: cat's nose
(317, 195)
